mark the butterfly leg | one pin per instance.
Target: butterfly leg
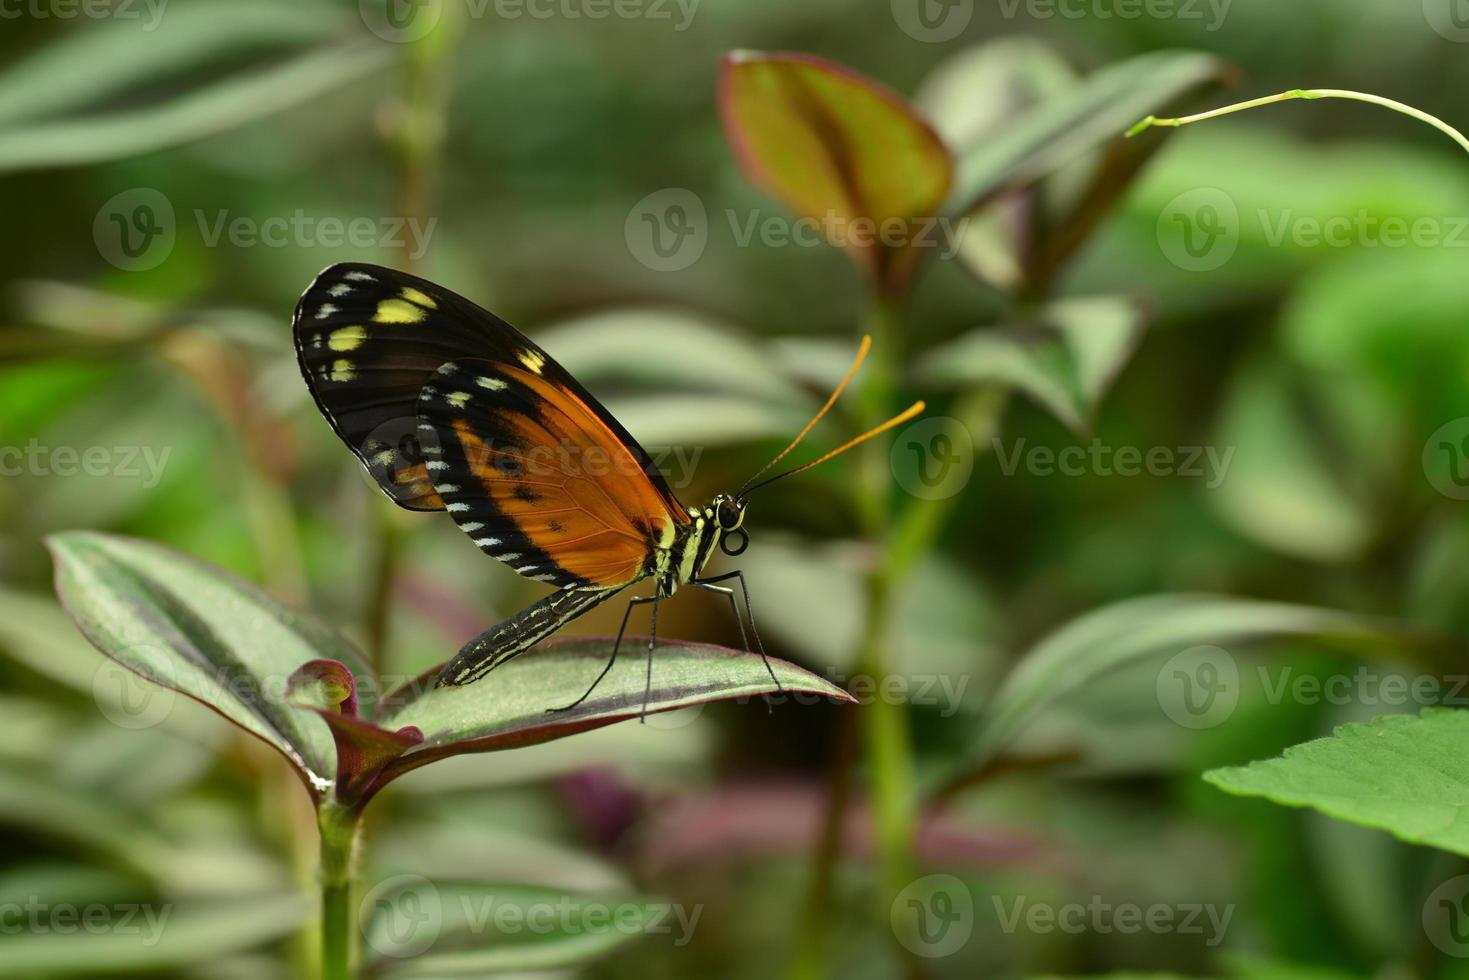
(652, 641)
(615, 647)
(734, 609)
(706, 583)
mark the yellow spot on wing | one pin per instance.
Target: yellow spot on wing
(342, 370)
(418, 296)
(458, 398)
(347, 338)
(532, 360)
(399, 311)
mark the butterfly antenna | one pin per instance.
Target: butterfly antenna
(851, 372)
(898, 419)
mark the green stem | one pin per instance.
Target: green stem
(1309, 93)
(887, 744)
(885, 741)
(340, 832)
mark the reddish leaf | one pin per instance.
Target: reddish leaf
(838, 148)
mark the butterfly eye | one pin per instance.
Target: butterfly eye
(734, 543)
(730, 514)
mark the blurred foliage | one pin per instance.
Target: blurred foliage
(1325, 370)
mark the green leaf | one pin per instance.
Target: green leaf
(1400, 773)
(1094, 113)
(424, 928)
(679, 380)
(193, 628)
(214, 108)
(1065, 360)
(157, 937)
(508, 707)
(946, 612)
(1290, 485)
(975, 95)
(1122, 633)
(678, 427)
(836, 147)
(668, 350)
(114, 60)
(93, 823)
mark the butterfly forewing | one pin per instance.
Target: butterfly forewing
(449, 407)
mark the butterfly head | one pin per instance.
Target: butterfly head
(729, 512)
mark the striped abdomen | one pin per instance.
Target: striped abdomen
(520, 632)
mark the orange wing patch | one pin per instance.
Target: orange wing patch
(571, 488)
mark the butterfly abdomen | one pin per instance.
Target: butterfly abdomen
(519, 633)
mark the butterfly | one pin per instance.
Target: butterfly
(451, 408)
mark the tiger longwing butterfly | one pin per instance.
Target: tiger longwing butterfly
(451, 408)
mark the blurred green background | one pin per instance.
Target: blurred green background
(171, 176)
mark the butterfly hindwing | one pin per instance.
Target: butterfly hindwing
(437, 397)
